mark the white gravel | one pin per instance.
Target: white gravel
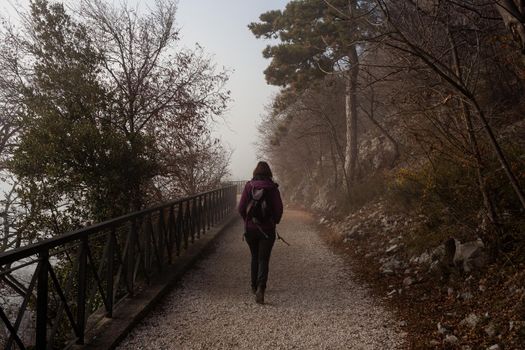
(312, 301)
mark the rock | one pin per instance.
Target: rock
(438, 252)
(471, 320)
(376, 153)
(424, 259)
(466, 296)
(451, 339)
(386, 272)
(403, 324)
(490, 329)
(322, 221)
(470, 255)
(393, 240)
(392, 248)
(434, 343)
(353, 230)
(494, 347)
(441, 329)
(434, 267)
(389, 266)
(408, 281)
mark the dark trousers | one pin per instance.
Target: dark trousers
(260, 247)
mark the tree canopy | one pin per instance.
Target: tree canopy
(98, 94)
(314, 39)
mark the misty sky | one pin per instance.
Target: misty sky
(220, 26)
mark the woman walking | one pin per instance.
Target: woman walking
(261, 208)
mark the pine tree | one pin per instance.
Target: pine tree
(317, 37)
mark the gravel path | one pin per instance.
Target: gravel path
(312, 302)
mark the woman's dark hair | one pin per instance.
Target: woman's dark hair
(262, 169)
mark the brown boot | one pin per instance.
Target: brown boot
(259, 295)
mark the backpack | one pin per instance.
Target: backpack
(258, 210)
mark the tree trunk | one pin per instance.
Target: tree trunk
(350, 166)
(334, 165)
(499, 153)
(321, 165)
(5, 242)
(339, 150)
(480, 168)
(474, 146)
(469, 95)
(351, 118)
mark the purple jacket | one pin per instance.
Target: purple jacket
(273, 199)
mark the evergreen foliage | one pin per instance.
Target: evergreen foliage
(89, 146)
(314, 40)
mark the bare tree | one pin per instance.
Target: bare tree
(438, 56)
(148, 79)
(12, 81)
(193, 161)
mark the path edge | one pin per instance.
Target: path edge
(109, 332)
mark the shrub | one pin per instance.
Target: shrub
(447, 195)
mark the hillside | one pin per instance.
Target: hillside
(471, 303)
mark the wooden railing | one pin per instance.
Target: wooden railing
(71, 276)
